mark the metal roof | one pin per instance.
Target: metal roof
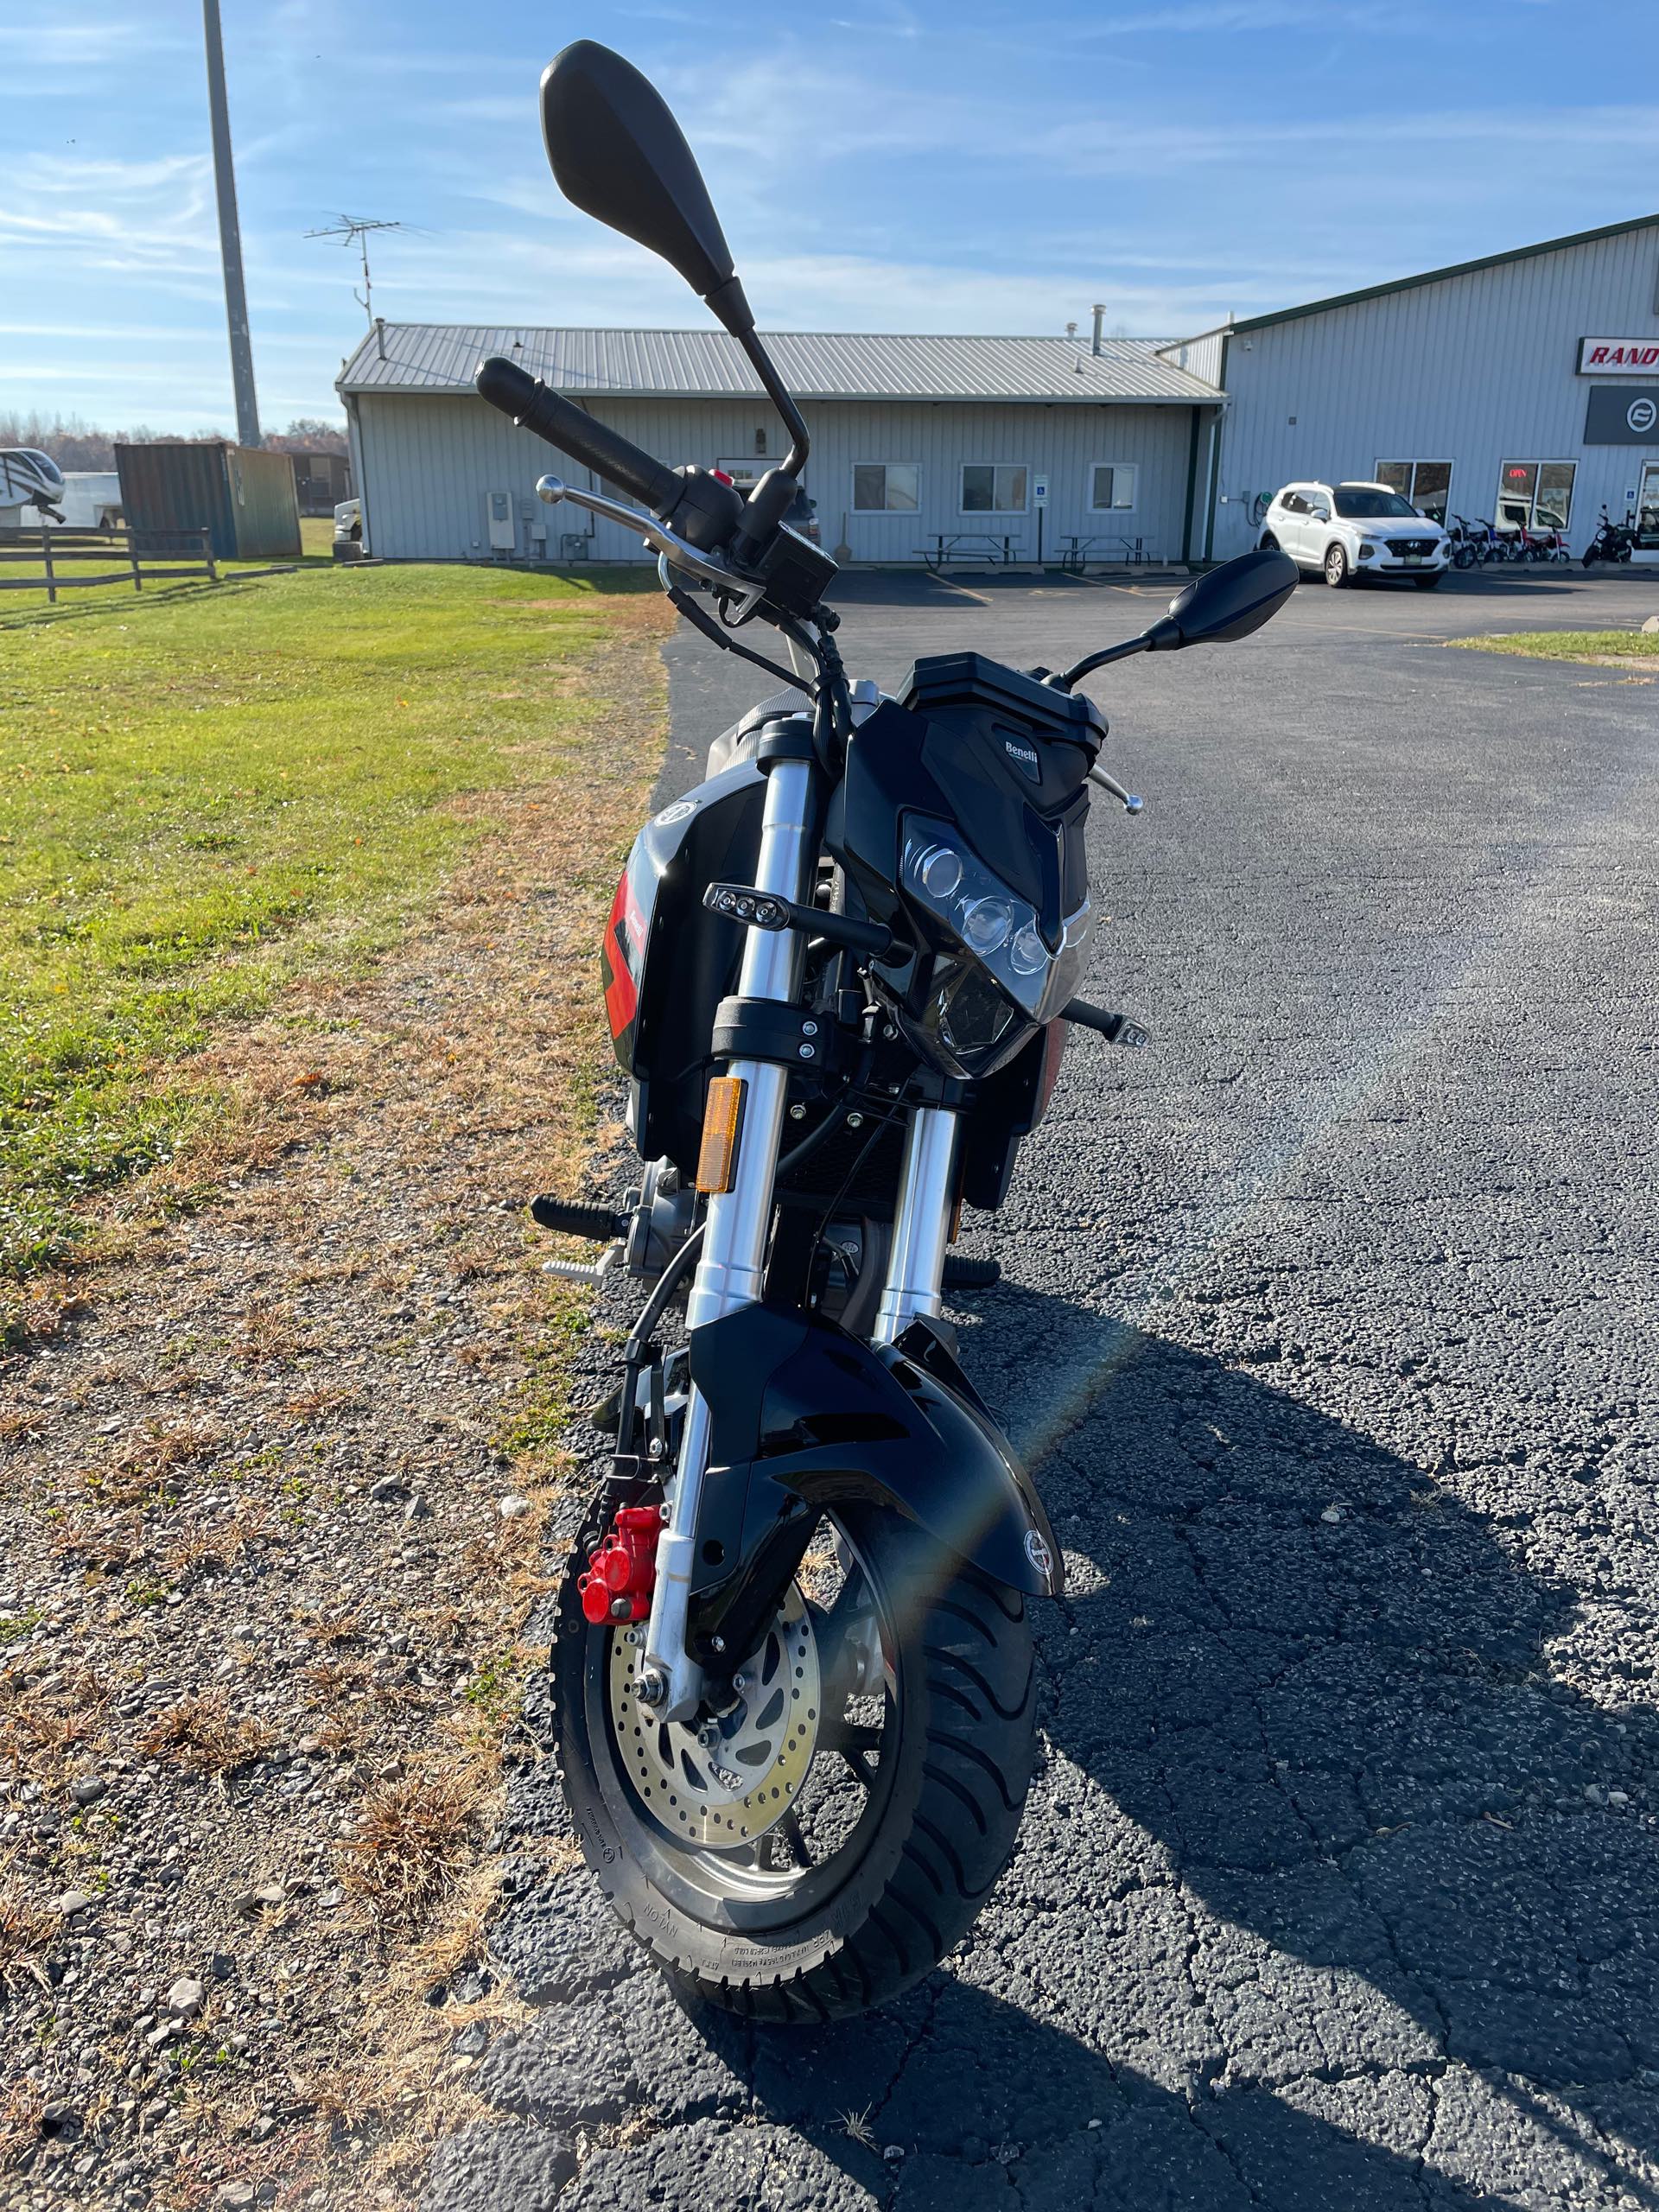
(428, 356)
(1428, 276)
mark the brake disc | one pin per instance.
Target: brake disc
(730, 1781)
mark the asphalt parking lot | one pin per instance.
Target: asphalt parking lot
(1328, 1328)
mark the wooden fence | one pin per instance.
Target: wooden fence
(145, 557)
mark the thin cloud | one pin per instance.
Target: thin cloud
(46, 42)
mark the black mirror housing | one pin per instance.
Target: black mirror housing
(1228, 603)
(618, 154)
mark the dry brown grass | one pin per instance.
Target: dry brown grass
(44, 1731)
(200, 1733)
(143, 1465)
(415, 1837)
(25, 1932)
(41, 1312)
(331, 1629)
(268, 1334)
(313, 1405)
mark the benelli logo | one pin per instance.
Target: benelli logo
(1025, 754)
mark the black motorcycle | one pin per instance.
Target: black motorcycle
(1613, 541)
(792, 1669)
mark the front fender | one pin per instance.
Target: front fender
(803, 1412)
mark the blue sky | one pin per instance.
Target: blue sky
(944, 165)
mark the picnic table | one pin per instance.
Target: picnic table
(967, 545)
(1133, 551)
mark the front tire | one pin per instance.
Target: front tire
(869, 1877)
(1336, 566)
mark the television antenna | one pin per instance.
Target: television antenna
(353, 230)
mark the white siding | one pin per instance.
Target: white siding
(1200, 357)
(1476, 370)
(427, 465)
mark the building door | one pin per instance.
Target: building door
(1647, 511)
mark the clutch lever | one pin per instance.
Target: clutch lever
(1130, 801)
(704, 567)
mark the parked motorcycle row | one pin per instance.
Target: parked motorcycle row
(1475, 544)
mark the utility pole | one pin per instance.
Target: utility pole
(230, 235)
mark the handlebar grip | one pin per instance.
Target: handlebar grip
(533, 407)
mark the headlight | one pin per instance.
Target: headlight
(999, 929)
(985, 925)
(939, 871)
(1028, 955)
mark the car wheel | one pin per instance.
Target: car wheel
(1425, 583)
(1269, 543)
(1335, 566)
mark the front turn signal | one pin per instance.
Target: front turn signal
(722, 1115)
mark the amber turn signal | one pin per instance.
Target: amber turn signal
(717, 1157)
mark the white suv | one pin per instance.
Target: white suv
(1356, 530)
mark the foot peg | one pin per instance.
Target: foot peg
(1115, 1029)
(597, 1223)
(962, 1272)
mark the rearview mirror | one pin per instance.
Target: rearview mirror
(618, 154)
(1228, 603)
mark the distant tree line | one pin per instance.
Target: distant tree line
(74, 444)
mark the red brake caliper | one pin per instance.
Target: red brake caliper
(623, 1571)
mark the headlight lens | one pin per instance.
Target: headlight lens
(1000, 929)
(939, 871)
(985, 923)
(1028, 955)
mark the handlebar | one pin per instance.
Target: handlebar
(533, 407)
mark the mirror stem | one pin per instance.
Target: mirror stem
(1079, 669)
(800, 444)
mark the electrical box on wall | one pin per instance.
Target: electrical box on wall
(502, 538)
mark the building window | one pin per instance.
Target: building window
(886, 487)
(1111, 488)
(993, 488)
(1534, 494)
(1426, 484)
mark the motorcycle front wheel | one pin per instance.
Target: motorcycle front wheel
(821, 1844)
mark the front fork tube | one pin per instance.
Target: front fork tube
(921, 1222)
(732, 1262)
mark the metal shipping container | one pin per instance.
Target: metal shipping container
(242, 494)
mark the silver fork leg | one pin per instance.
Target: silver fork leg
(921, 1225)
(732, 1259)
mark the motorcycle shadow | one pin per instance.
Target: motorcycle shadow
(1329, 1890)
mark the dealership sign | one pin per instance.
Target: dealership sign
(1618, 357)
(1623, 415)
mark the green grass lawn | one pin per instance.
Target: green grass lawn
(1568, 644)
(205, 791)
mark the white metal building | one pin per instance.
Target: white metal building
(1015, 443)
(1510, 390)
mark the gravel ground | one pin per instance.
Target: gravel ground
(275, 1466)
(1328, 1330)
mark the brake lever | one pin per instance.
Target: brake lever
(1131, 802)
(702, 566)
